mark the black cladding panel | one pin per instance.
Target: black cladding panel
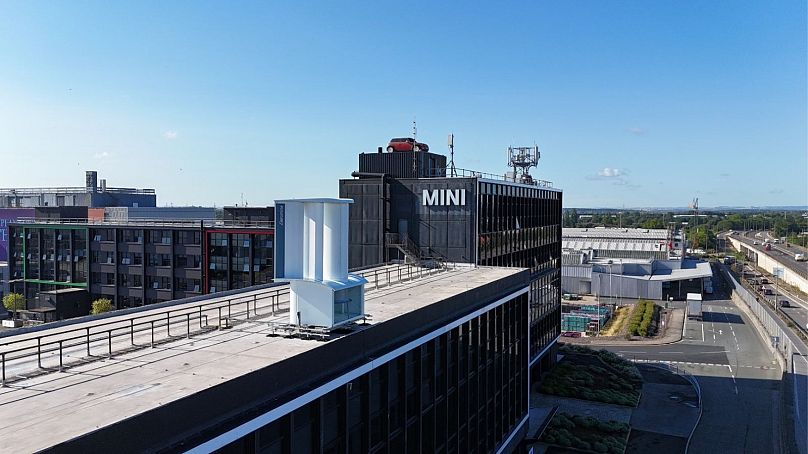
(437, 214)
(404, 164)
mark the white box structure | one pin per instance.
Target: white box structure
(311, 253)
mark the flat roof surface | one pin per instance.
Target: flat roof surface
(617, 233)
(49, 408)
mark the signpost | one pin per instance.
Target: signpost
(778, 272)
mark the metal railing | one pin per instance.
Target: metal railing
(146, 222)
(227, 311)
(466, 173)
(401, 272)
(71, 190)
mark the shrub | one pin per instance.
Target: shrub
(101, 305)
(14, 302)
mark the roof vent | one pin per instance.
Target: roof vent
(311, 253)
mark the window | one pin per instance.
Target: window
(187, 261)
(158, 259)
(189, 237)
(159, 282)
(187, 285)
(160, 236)
(131, 236)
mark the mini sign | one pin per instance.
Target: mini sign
(443, 197)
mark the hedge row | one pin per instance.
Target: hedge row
(585, 433)
(641, 318)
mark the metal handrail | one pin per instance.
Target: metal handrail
(403, 272)
(73, 190)
(112, 328)
(466, 173)
(154, 319)
(146, 222)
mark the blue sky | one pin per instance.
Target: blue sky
(633, 103)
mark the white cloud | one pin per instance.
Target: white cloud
(170, 135)
(609, 172)
(101, 155)
(637, 131)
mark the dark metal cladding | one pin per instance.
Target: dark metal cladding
(399, 164)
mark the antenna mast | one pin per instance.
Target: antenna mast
(414, 155)
(522, 159)
(452, 171)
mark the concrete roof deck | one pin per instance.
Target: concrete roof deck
(47, 409)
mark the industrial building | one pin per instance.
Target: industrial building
(428, 360)
(95, 193)
(630, 263)
(410, 207)
(136, 262)
(624, 243)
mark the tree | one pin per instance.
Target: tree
(653, 224)
(101, 305)
(13, 301)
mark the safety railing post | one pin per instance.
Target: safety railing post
(60, 356)
(39, 352)
(200, 317)
(248, 309)
(152, 333)
(220, 318)
(255, 305)
(132, 331)
(3, 361)
(109, 342)
(168, 324)
(88, 341)
(188, 320)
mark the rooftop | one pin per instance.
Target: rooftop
(616, 233)
(144, 222)
(71, 190)
(53, 406)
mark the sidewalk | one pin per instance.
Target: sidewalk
(674, 323)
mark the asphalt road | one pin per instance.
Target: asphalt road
(738, 378)
(779, 252)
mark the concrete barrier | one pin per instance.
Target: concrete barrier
(763, 321)
(768, 263)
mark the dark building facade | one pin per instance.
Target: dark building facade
(404, 164)
(469, 220)
(138, 263)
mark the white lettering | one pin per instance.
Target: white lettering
(443, 197)
(453, 197)
(430, 199)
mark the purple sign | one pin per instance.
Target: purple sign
(7, 216)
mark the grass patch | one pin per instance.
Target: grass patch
(615, 324)
(587, 434)
(599, 376)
